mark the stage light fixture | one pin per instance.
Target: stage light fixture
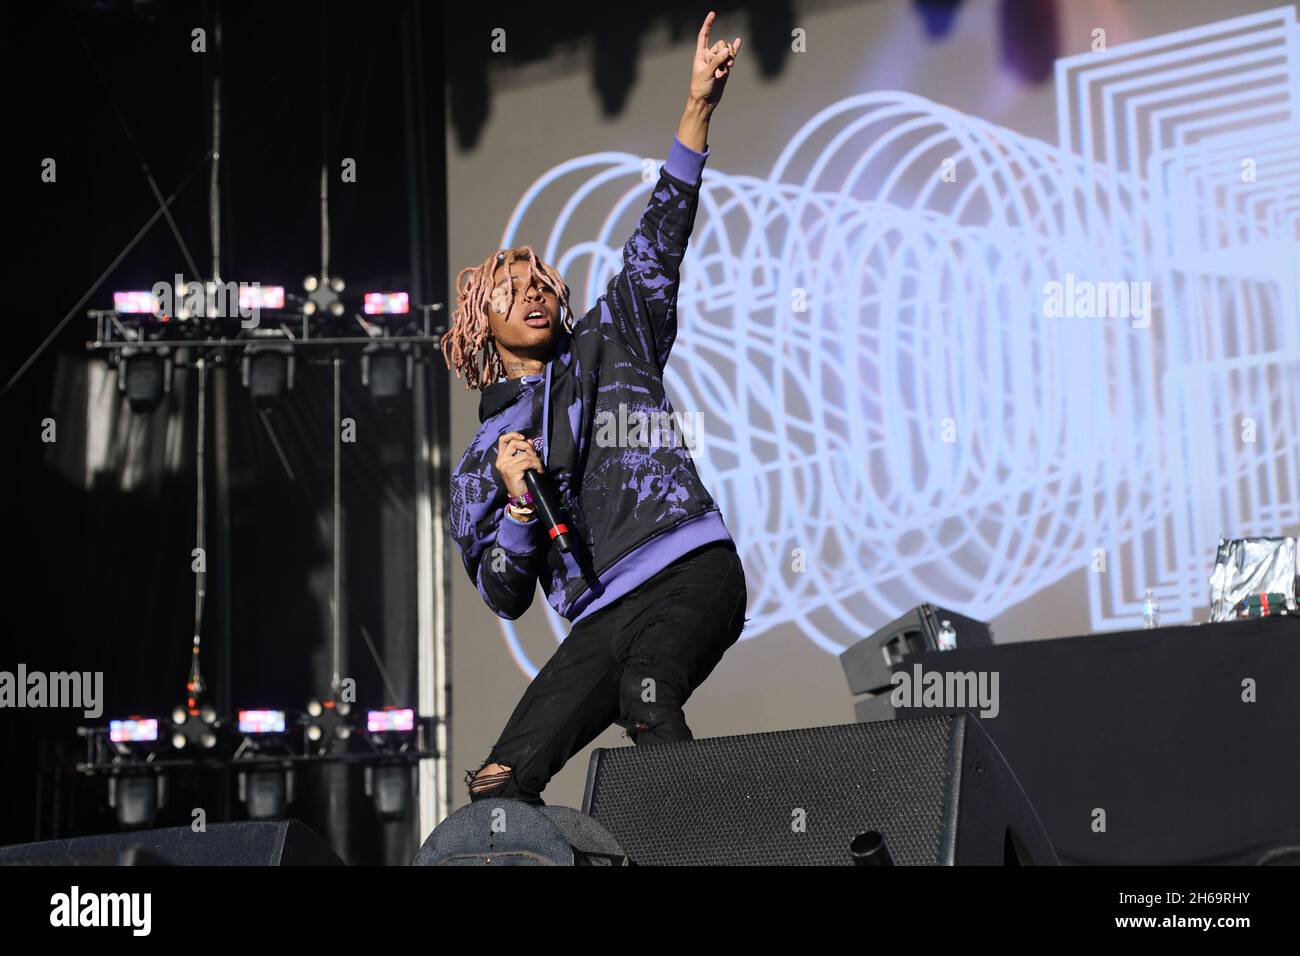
(183, 291)
(136, 797)
(196, 727)
(386, 303)
(264, 731)
(134, 303)
(323, 295)
(390, 720)
(267, 372)
(136, 788)
(392, 787)
(261, 722)
(269, 297)
(386, 371)
(144, 376)
(133, 730)
(265, 790)
(266, 793)
(327, 723)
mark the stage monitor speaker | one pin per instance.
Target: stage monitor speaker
(869, 664)
(935, 789)
(270, 843)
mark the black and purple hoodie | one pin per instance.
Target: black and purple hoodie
(635, 504)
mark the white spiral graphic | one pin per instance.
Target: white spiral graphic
(889, 414)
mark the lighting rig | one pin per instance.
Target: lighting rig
(265, 332)
(265, 748)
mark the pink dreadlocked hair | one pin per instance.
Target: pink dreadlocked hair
(468, 347)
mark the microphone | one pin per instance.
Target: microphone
(548, 510)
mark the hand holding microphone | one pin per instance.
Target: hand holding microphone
(524, 475)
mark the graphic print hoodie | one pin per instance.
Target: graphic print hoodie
(620, 469)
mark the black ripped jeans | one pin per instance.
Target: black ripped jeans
(633, 663)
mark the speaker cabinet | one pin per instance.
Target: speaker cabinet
(935, 788)
(869, 664)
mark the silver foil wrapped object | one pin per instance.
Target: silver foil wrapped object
(1246, 566)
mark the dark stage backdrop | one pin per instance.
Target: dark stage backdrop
(99, 525)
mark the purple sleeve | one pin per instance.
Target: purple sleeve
(642, 298)
(503, 557)
(508, 568)
(685, 163)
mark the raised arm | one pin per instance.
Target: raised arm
(643, 296)
(709, 71)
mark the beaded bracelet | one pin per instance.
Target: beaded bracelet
(522, 501)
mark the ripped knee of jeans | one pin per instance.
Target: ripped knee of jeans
(488, 778)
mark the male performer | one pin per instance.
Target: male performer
(653, 586)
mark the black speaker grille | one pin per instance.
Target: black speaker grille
(733, 800)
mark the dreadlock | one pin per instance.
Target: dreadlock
(468, 347)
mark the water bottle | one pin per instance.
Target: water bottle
(1150, 611)
(947, 636)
